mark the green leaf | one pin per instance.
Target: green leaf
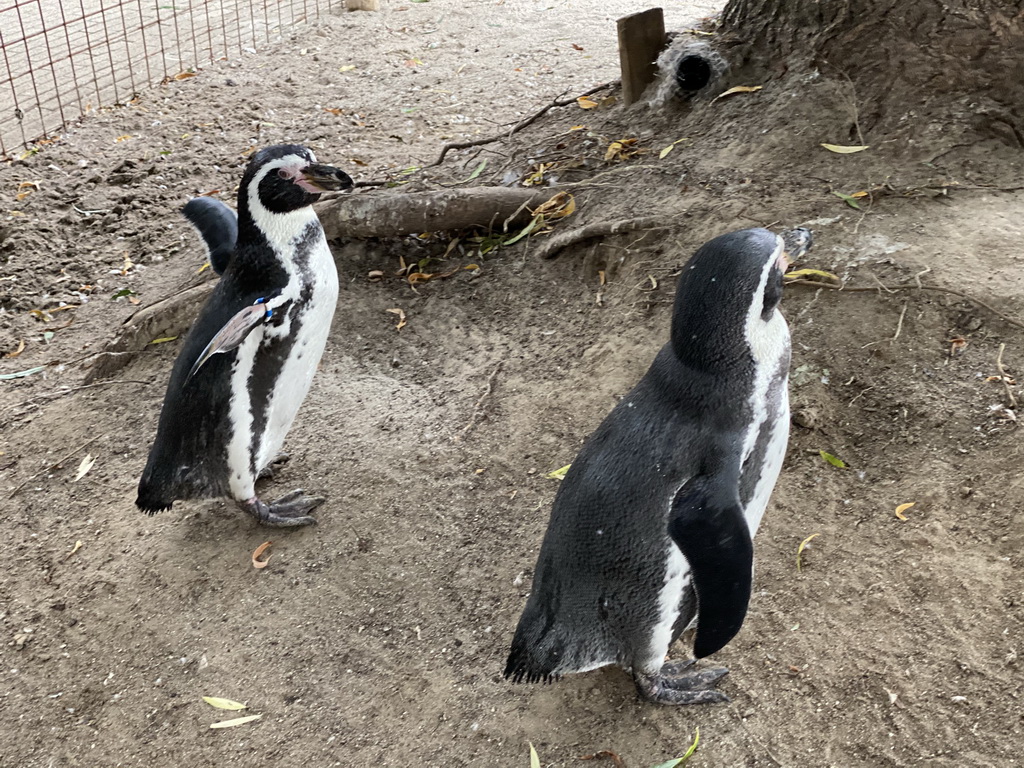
(122, 293)
(219, 703)
(21, 374)
(835, 461)
(680, 760)
(236, 721)
(537, 220)
(850, 200)
(534, 757)
(478, 171)
(841, 149)
(558, 474)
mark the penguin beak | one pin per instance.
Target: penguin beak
(795, 243)
(324, 178)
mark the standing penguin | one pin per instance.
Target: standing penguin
(651, 528)
(249, 359)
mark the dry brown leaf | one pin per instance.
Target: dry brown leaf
(605, 753)
(416, 278)
(256, 562)
(737, 89)
(18, 351)
(558, 207)
(957, 345)
(401, 317)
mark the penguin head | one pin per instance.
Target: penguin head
(286, 177)
(726, 307)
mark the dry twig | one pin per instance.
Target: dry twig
(525, 122)
(1003, 377)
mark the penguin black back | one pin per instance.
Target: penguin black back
(657, 512)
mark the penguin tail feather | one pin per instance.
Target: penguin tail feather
(523, 675)
(523, 667)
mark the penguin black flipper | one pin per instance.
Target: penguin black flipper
(709, 528)
(217, 225)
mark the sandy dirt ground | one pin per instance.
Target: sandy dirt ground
(378, 637)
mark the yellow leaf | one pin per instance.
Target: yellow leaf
(256, 562)
(84, 467)
(472, 266)
(534, 757)
(586, 103)
(737, 89)
(125, 137)
(803, 545)
(558, 207)
(163, 339)
(18, 351)
(78, 546)
(401, 317)
(558, 474)
(903, 508)
(219, 703)
(236, 721)
(812, 274)
(578, 128)
(840, 149)
(664, 153)
(203, 268)
(347, 68)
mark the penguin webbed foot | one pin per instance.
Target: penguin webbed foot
(289, 511)
(677, 684)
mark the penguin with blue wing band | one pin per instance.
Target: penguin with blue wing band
(651, 530)
(248, 362)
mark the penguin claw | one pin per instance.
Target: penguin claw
(270, 470)
(674, 686)
(289, 511)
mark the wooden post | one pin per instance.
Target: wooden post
(641, 39)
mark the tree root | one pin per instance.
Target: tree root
(171, 316)
(388, 214)
(378, 215)
(550, 248)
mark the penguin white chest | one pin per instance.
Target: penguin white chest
(274, 367)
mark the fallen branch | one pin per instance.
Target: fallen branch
(910, 286)
(527, 121)
(1005, 379)
(171, 316)
(388, 214)
(565, 238)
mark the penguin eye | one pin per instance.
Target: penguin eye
(283, 174)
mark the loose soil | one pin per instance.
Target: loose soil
(378, 637)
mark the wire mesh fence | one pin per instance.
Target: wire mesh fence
(62, 59)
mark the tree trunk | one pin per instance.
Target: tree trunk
(904, 57)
